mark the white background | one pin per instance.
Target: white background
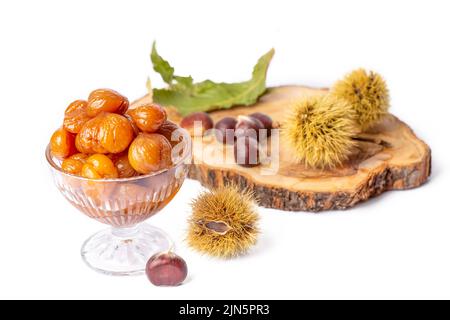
(52, 52)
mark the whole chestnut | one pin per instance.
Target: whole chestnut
(264, 119)
(166, 269)
(225, 130)
(246, 151)
(248, 126)
(106, 100)
(148, 118)
(106, 133)
(62, 144)
(197, 123)
(75, 116)
(150, 152)
(74, 163)
(99, 166)
(122, 164)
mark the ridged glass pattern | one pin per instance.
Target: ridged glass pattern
(121, 203)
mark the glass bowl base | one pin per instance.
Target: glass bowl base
(124, 251)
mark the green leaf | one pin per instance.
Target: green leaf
(207, 95)
(161, 66)
(183, 83)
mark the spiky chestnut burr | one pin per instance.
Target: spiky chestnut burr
(223, 222)
(320, 131)
(367, 93)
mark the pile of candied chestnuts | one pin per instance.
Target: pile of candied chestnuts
(244, 133)
(102, 139)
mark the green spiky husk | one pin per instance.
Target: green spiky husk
(320, 131)
(229, 205)
(368, 94)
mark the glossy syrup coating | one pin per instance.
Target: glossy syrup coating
(75, 116)
(123, 166)
(99, 166)
(150, 152)
(88, 171)
(116, 133)
(106, 100)
(106, 133)
(62, 144)
(148, 118)
(87, 140)
(74, 163)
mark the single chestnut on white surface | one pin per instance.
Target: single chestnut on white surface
(166, 269)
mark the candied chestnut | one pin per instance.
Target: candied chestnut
(248, 126)
(116, 133)
(88, 171)
(265, 120)
(246, 151)
(148, 118)
(123, 165)
(62, 144)
(197, 123)
(75, 116)
(106, 100)
(99, 166)
(225, 130)
(87, 140)
(167, 129)
(150, 152)
(74, 163)
(106, 133)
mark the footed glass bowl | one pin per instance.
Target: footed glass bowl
(125, 247)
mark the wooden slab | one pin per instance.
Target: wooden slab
(390, 157)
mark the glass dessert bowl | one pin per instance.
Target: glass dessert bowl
(125, 247)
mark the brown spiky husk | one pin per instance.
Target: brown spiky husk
(368, 94)
(320, 131)
(232, 209)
